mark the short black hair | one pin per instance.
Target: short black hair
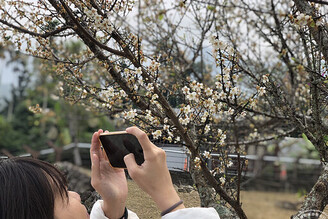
(29, 187)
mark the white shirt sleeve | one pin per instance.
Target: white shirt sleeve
(97, 212)
(187, 213)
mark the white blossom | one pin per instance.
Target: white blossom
(208, 91)
(218, 85)
(157, 134)
(209, 102)
(110, 92)
(235, 77)
(154, 66)
(219, 106)
(184, 121)
(123, 94)
(222, 45)
(218, 77)
(230, 111)
(185, 90)
(230, 50)
(302, 19)
(217, 44)
(148, 116)
(130, 114)
(150, 87)
(215, 96)
(213, 172)
(138, 71)
(226, 71)
(226, 78)
(170, 134)
(235, 91)
(186, 109)
(204, 117)
(106, 25)
(141, 81)
(261, 91)
(265, 79)
(222, 180)
(154, 97)
(228, 84)
(222, 95)
(213, 108)
(207, 129)
(199, 87)
(207, 154)
(192, 96)
(84, 94)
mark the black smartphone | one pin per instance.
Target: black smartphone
(119, 144)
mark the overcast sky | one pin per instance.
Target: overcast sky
(6, 74)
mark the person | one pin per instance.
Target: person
(35, 189)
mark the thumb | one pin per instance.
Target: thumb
(131, 165)
(95, 167)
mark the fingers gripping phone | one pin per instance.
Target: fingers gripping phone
(119, 144)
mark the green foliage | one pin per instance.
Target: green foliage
(160, 16)
(211, 7)
(9, 138)
(74, 47)
(311, 151)
(58, 121)
(21, 130)
(326, 139)
(309, 144)
(301, 193)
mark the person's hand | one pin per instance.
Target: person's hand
(153, 175)
(109, 182)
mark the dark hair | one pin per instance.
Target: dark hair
(28, 188)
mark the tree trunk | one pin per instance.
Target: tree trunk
(77, 155)
(207, 194)
(58, 151)
(317, 199)
(73, 128)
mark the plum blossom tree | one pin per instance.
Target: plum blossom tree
(214, 76)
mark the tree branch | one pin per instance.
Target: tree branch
(43, 35)
(318, 2)
(316, 31)
(87, 34)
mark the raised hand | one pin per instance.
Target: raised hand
(152, 175)
(109, 182)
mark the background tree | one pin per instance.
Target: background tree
(270, 74)
(35, 118)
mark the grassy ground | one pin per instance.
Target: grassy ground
(257, 205)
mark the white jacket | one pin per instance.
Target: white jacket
(187, 213)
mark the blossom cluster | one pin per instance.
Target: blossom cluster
(99, 22)
(35, 109)
(302, 20)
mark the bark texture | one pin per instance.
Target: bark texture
(318, 197)
(208, 195)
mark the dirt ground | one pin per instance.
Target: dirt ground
(257, 205)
